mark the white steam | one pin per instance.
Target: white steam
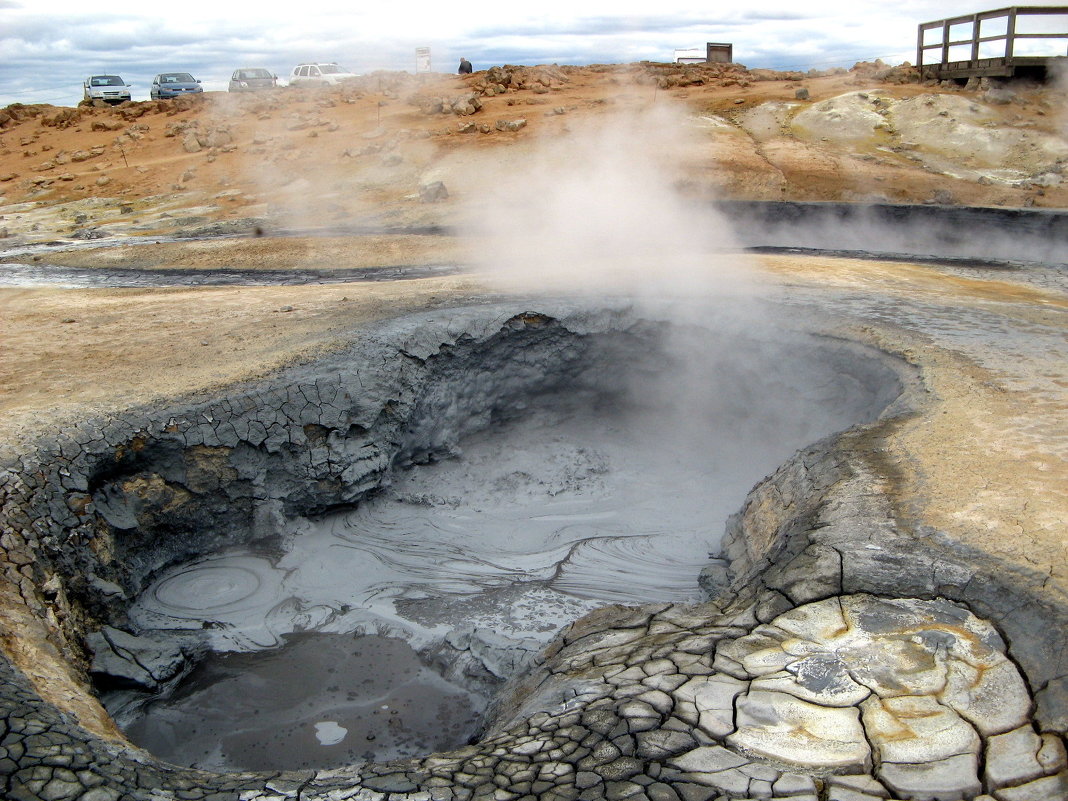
(732, 388)
(1058, 79)
(599, 211)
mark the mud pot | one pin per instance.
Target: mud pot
(518, 550)
(541, 478)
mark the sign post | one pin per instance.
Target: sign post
(422, 59)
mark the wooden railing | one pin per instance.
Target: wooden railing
(1004, 60)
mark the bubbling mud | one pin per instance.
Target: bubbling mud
(612, 487)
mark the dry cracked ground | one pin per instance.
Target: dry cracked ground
(892, 618)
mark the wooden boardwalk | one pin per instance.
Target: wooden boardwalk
(994, 44)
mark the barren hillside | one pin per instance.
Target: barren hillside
(368, 152)
(408, 156)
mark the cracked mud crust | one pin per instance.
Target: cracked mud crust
(796, 684)
(986, 462)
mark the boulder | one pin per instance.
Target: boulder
(216, 136)
(999, 96)
(64, 118)
(511, 125)
(466, 105)
(433, 192)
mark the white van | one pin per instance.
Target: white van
(319, 75)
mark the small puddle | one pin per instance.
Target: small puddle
(319, 701)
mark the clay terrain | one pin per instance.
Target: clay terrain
(406, 159)
(373, 155)
(182, 281)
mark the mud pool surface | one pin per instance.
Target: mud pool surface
(571, 500)
(664, 699)
(373, 697)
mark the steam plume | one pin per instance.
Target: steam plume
(599, 211)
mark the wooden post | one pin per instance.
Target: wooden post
(975, 40)
(945, 41)
(1010, 32)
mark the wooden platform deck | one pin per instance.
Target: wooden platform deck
(1004, 43)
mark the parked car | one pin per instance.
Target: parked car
(319, 75)
(171, 84)
(109, 88)
(249, 79)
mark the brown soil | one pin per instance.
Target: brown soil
(360, 156)
(323, 156)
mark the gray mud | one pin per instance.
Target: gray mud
(1039, 237)
(839, 659)
(15, 274)
(613, 485)
(318, 701)
(965, 238)
(432, 422)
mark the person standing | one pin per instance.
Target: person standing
(465, 67)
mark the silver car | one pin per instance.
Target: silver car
(173, 84)
(109, 88)
(249, 79)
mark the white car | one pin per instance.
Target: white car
(319, 75)
(109, 88)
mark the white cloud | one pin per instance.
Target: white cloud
(50, 46)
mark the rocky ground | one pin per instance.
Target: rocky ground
(961, 498)
(364, 152)
(385, 151)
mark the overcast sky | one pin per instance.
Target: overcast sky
(47, 47)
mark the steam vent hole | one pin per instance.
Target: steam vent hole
(359, 585)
